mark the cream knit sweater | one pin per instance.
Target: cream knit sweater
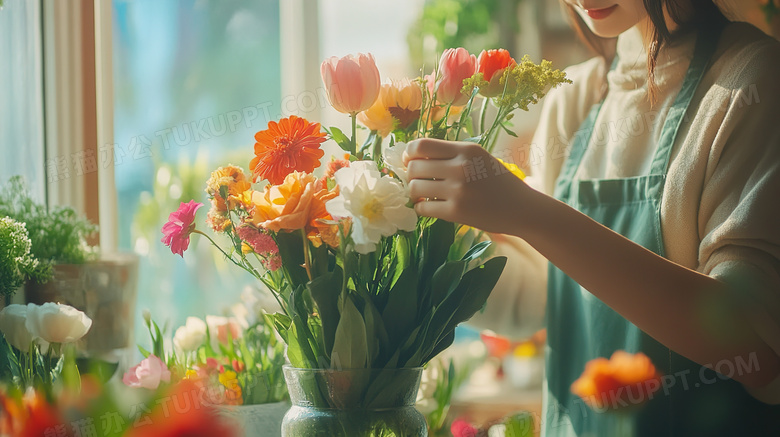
(720, 212)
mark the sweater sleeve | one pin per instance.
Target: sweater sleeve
(516, 305)
(739, 215)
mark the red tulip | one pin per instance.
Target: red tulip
(492, 64)
(352, 82)
(455, 66)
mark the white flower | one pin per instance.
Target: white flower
(12, 319)
(394, 159)
(56, 323)
(190, 337)
(376, 204)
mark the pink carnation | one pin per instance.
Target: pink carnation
(273, 262)
(258, 240)
(147, 374)
(181, 223)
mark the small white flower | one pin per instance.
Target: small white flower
(394, 159)
(12, 320)
(56, 323)
(190, 337)
(377, 204)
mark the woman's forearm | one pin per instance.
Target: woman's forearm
(669, 302)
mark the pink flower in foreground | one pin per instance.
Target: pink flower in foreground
(181, 223)
(461, 428)
(147, 374)
(455, 66)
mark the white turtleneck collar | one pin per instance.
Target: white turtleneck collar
(631, 71)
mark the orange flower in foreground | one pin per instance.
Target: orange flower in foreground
(622, 381)
(186, 415)
(298, 203)
(293, 144)
(31, 416)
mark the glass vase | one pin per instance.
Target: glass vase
(353, 402)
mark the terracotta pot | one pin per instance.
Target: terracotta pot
(105, 290)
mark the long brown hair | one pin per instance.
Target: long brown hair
(703, 13)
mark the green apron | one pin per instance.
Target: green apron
(694, 401)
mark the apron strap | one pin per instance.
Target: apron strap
(706, 44)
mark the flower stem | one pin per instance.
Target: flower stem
(353, 144)
(482, 116)
(306, 254)
(224, 253)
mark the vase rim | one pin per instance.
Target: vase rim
(321, 369)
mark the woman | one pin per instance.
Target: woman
(658, 215)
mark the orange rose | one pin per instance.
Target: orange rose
(298, 203)
(622, 381)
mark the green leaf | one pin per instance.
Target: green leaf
(509, 132)
(291, 250)
(376, 333)
(476, 251)
(445, 280)
(441, 345)
(325, 291)
(467, 298)
(144, 352)
(350, 348)
(400, 312)
(70, 372)
(338, 136)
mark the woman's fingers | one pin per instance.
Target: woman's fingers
(428, 148)
(421, 189)
(432, 169)
(440, 209)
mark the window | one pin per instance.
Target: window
(193, 81)
(21, 95)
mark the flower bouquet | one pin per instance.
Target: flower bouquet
(369, 292)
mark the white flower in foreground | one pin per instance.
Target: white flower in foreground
(12, 320)
(56, 323)
(191, 336)
(376, 204)
(394, 159)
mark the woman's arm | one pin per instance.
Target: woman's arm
(664, 299)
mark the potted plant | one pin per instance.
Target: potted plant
(17, 264)
(102, 286)
(235, 361)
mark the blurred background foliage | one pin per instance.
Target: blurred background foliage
(473, 24)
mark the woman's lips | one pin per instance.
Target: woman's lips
(599, 14)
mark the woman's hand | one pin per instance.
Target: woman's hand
(461, 182)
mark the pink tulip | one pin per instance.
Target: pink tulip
(352, 82)
(455, 66)
(180, 225)
(147, 374)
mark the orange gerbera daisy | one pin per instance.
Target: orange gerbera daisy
(293, 144)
